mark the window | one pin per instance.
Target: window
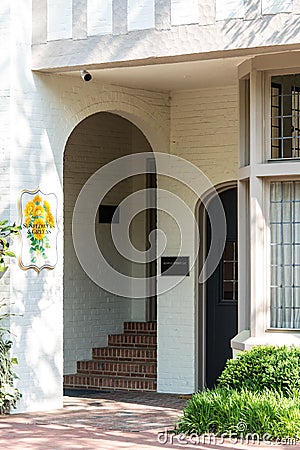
(230, 271)
(285, 254)
(285, 116)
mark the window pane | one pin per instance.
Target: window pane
(287, 190)
(297, 191)
(230, 271)
(297, 254)
(276, 276)
(276, 255)
(276, 213)
(287, 233)
(287, 210)
(296, 236)
(297, 278)
(276, 233)
(276, 190)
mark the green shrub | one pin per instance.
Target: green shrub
(263, 367)
(8, 393)
(222, 411)
(6, 232)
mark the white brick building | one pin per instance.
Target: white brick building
(214, 82)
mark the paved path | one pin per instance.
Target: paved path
(106, 421)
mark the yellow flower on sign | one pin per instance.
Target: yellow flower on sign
(37, 199)
(50, 219)
(47, 206)
(29, 208)
(39, 211)
(39, 228)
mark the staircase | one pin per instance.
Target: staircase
(127, 363)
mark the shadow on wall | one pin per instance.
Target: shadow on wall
(241, 35)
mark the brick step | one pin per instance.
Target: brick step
(124, 354)
(132, 340)
(140, 328)
(82, 381)
(121, 369)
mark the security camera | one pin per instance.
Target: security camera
(85, 75)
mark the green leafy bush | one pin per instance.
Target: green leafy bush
(222, 411)
(264, 367)
(6, 231)
(8, 393)
(259, 389)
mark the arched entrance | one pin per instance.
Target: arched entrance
(217, 321)
(92, 314)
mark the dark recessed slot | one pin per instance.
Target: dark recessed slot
(109, 214)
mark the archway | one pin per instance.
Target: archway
(90, 313)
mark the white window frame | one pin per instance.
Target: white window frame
(267, 191)
(267, 113)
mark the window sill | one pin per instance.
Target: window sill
(283, 330)
(275, 160)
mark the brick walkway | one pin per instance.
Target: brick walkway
(105, 421)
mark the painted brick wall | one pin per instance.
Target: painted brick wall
(204, 130)
(183, 11)
(59, 19)
(228, 9)
(141, 14)
(4, 109)
(276, 6)
(4, 131)
(99, 17)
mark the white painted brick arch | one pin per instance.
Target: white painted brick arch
(145, 113)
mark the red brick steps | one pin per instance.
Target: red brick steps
(124, 354)
(111, 383)
(129, 340)
(140, 328)
(121, 369)
(127, 363)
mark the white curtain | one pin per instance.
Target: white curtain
(285, 254)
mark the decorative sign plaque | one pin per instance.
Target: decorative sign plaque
(175, 266)
(39, 230)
